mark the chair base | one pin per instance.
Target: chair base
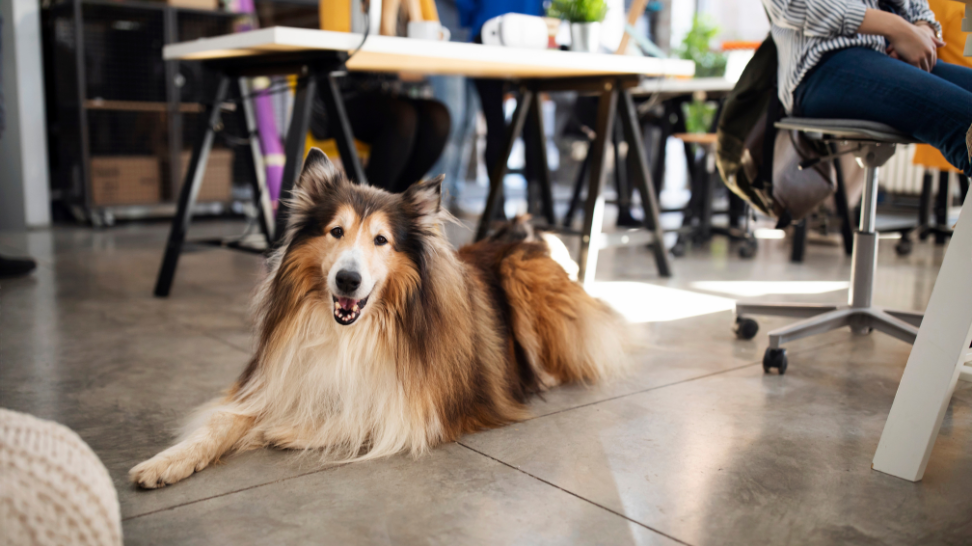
(824, 318)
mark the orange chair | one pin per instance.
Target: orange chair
(950, 15)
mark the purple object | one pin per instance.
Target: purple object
(270, 143)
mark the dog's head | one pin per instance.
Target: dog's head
(356, 246)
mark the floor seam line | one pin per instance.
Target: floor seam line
(649, 389)
(210, 335)
(575, 495)
(256, 486)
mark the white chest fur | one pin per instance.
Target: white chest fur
(338, 390)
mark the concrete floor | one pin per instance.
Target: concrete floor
(698, 446)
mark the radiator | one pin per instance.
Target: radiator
(899, 176)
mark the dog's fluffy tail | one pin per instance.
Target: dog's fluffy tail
(567, 335)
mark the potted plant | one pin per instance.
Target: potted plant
(585, 18)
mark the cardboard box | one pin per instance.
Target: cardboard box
(125, 180)
(194, 4)
(217, 184)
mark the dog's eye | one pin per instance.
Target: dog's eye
(337, 232)
(380, 240)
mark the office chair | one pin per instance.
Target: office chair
(875, 146)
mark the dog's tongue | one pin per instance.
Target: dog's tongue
(346, 303)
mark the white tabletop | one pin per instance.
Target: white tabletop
(684, 86)
(393, 54)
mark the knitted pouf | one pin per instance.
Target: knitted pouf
(53, 488)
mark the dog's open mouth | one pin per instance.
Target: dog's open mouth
(347, 310)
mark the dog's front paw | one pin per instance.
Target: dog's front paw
(164, 469)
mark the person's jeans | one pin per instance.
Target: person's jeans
(860, 83)
(459, 96)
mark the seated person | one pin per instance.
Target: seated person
(851, 59)
(472, 15)
(406, 135)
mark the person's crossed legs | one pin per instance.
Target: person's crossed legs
(860, 83)
(406, 136)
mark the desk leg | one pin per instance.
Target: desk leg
(498, 171)
(258, 174)
(334, 103)
(935, 363)
(641, 176)
(594, 207)
(294, 147)
(189, 191)
(540, 153)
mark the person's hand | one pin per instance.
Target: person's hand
(915, 44)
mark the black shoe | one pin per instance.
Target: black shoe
(625, 219)
(14, 267)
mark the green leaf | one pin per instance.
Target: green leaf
(695, 47)
(578, 11)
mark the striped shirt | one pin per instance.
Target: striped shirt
(804, 30)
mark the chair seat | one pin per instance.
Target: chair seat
(846, 129)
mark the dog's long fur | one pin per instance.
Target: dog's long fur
(448, 342)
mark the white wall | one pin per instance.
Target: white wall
(24, 177)
(738, 19)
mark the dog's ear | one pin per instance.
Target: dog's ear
(426, 197)
(319, 174)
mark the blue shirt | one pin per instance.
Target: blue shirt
(473, 13)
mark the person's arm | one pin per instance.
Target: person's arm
(920, 14)
(913, 44)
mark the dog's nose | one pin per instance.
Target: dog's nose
(348, 281)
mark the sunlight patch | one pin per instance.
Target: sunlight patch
(751, 289)
(643, 302)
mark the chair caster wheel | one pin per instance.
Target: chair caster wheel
(904, 246)
(861, 330)
(774, 358)
(745, 328)
(747, 249)
(679, 249)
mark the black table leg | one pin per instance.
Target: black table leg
(621, 182)
(256, 173)
(540, 154)
(334, 103)
(606, 109)
(578, 187)
(190, 189)
(294, 147)
(641, 176)
(498, 171)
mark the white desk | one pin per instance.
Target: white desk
(319, 57)
(394, 54)
(668, 87)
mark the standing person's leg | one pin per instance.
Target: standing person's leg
(389, 125)
(491, 102)
(451, 91)
(431, 133)
(859, 83)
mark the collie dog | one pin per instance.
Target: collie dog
(376, 337)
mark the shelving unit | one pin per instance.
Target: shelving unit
(113, 99)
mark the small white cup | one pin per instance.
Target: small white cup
(428, 30)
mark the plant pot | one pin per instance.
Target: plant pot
(585, 37)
